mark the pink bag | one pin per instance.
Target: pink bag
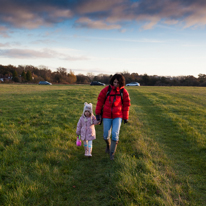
(78, 142)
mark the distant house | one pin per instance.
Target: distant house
(5, 78)
(34, 76)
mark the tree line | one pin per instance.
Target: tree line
(31, 74)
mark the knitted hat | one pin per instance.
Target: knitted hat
(88, 107)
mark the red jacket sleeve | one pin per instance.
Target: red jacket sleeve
(126, 104)
(100, 100)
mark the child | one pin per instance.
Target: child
(86, 129)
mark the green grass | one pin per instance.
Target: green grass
(160, 160)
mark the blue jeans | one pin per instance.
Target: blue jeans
(115, 125)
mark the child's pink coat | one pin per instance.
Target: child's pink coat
(85, 127)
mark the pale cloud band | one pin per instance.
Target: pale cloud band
(100, 14)
(37, 54)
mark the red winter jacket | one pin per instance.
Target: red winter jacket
(113, 108)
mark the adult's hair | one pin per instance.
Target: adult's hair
(120, 78)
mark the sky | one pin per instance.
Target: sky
(154, 37)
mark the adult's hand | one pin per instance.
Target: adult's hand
(125, 121)
(98, 117)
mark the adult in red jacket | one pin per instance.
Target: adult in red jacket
(115, 108)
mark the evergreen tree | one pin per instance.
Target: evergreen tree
(28, 76)
(15, 76)
(23, 75)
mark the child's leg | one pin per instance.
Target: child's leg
(86, 148)
(90, 148)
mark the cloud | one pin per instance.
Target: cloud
(88, 23)
(101, 14)
(4, 44)
(72, 58)
(35, 54)
(151, 24)
(196, 18)
(171, 22)
(4, 32)
(32, 14)
(24, 54)
(95, 70)
(175, 11)
(96, 6)
(43, 41)
(123, 39)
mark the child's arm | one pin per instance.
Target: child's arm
(79, 126)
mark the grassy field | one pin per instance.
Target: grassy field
(160, 160)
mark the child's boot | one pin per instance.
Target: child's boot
(108, 142)
(113, 149)
(86, 150)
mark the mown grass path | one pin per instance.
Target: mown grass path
(175, 120)
(160, 159)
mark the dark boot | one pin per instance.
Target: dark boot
(108, 142)
(113, 149)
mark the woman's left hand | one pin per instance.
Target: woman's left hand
(125, 121)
